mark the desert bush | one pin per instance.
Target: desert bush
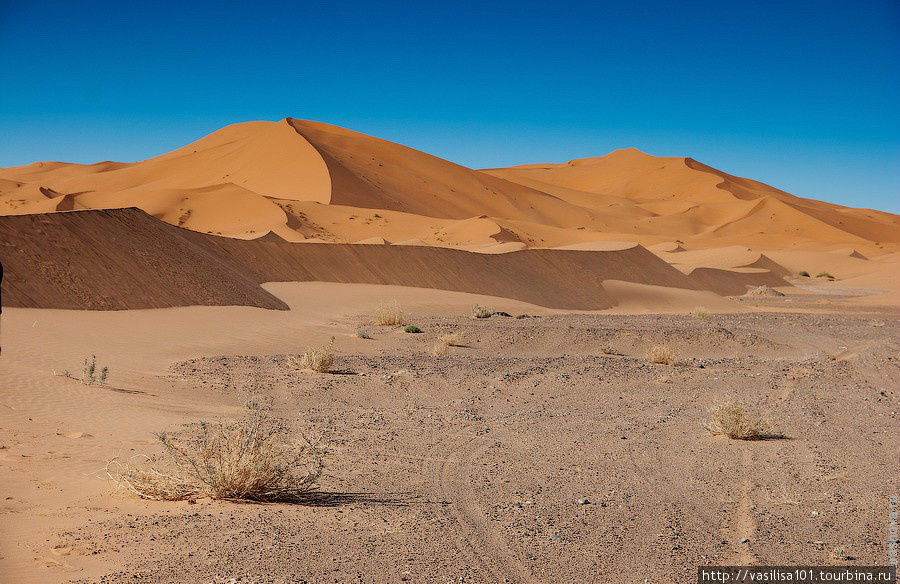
(824, 275)
(479, 311)
(363, 334)
(700, 313)
(388, 315)
(411, 328)
(89, 373)
(662, 354)
(804, 273)
(732, 419)
(319, 359)
(440, 348)
(246, 459)
(444, 342)
(452, 339)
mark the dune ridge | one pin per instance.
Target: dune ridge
(123, 259)
(310, 180)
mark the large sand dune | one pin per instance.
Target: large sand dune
(123, 258)
(302, 181)
(690, 200)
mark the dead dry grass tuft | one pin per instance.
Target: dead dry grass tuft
(389, 315)
(319, 359)
(442, 345)
(732, 419)
(700, 313)
(248, 459)
(662, 354)
(479, 311)
(452, 339)
(440, 348)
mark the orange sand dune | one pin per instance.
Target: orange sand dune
(309, 180)
(303, 181)
(688, 199)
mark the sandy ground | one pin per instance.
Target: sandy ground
(527, 455)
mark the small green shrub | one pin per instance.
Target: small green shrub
(824, 275)
(804, 273)
(363, 334)
(411, 328)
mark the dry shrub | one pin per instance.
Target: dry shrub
(319, 359)
(247, 459)
(662, 354)
(89, 374)
(700, 313)
(479, 311)
(732, 419)
(440, 348)
(442, 345)
(609, 350)
(388, 315)
(363, 334)
(452, 339)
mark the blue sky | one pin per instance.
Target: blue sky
(801, 95)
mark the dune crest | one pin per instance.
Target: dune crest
(304, 179)
(296, 181)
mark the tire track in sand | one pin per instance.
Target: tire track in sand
(742, 525)
(486, 549)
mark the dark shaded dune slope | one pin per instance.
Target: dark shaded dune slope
(123, 259)
(117, 259)
(552, 278)
(733, 282)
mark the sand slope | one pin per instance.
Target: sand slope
(687, 199)
(309, 180)
(125, 259)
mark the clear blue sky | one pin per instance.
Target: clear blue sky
(802, 95)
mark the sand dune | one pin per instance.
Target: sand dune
(688, 199)
(303, 181)
(119, 259)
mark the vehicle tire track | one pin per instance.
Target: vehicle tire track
(485, 548)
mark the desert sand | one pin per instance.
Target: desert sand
(543, 445)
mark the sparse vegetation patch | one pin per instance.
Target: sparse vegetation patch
(411, 328)
(389, 315)
(700, 313)
(319, 359)
(732, 419)
(479, 311)
(247, 459)
(662, 354)
(89, 373)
